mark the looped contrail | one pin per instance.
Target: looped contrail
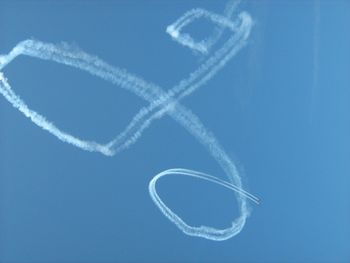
(160, 103)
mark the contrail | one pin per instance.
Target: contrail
(18, 103)
(160, 103)
(196, 79)
(205, 45)
(174, 29)
(202, 231)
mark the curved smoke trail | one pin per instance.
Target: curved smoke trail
(160, 103)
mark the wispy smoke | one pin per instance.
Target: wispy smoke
(160, 103)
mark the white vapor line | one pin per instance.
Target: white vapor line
(17, 102)
(202, 231)
(161, 103)
(196, 79)
(174, 30)
(229, 9)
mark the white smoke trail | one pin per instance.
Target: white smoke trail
(161, 103)
(229, 10)
(196, 79)
(174, 29)
(18, 103)
(202, 231)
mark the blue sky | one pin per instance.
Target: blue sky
(279, 108)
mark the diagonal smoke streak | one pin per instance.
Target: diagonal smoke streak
(161, 103)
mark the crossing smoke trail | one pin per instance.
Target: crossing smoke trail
(204, 45)
(230, 8)
(160, 103)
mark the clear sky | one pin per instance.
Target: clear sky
(280, 108)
